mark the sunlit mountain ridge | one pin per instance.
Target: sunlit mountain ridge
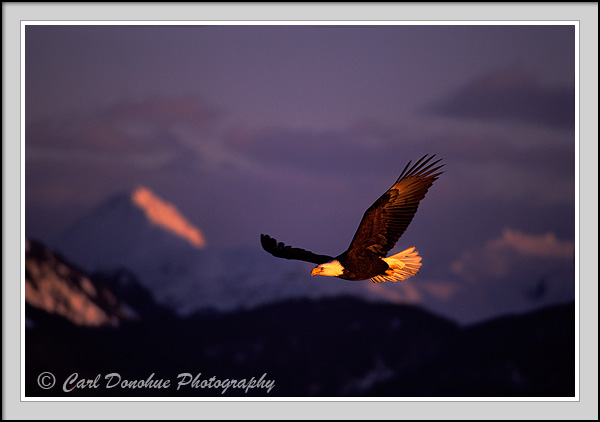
(149, 236)
(167, 216)
(56, 287)
(129, 228)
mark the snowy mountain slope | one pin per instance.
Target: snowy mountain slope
(148, 236)
(54, 286)
(122, 231)
(180, 270)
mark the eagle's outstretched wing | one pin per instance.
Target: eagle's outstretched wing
(387, 219)
(280, 250)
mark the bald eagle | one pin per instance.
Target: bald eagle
(381, 227)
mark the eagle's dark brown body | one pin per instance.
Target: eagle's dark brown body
(361, 266)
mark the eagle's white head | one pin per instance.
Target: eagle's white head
(332, 268)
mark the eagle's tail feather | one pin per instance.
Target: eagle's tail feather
(402, 266)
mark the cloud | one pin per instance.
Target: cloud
(188, 110)
(513, 273)
(531, 245)
(375, 152)
(74, 162)
(289, 148)
(511, 94)
(512, 254)
(144, 132)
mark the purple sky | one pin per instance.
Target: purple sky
(295, 130)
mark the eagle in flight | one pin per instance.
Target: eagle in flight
(381, 227)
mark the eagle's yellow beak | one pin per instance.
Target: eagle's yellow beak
(316, 270)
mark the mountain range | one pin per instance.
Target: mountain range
(109, 323)
(135, 288)
(140, 233)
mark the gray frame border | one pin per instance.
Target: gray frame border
(585, 13)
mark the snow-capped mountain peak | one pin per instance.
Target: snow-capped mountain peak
(130, 230)
(166, 216)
